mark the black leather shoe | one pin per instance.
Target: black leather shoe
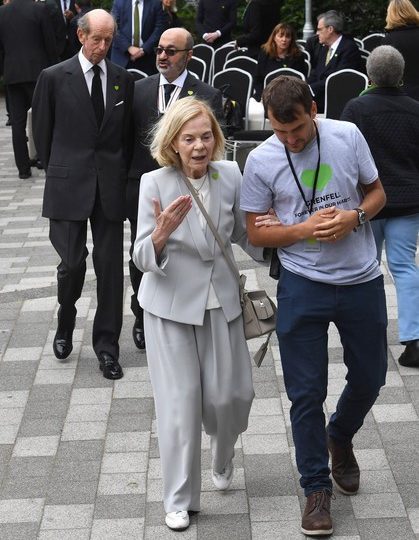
(110, 366)
(23, 175)
(36, 163)
(345, 469)
(63, 344)
(138, 335)
(410, 356)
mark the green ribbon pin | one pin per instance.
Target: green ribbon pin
(116, 87)
(215, 176)
(190, 92)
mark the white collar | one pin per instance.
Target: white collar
(180, 81)
(335, 45)
(86, 64)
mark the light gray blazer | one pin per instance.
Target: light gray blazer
(176, 287)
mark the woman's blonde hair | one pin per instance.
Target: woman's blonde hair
(401, 13)
(169, 126)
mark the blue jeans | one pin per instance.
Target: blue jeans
(305, 310)
(401, 235)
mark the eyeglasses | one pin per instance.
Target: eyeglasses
(169, 52)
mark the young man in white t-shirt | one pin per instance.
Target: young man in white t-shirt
(320, 178)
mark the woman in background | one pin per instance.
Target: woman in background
(280, 51)
(402, 26)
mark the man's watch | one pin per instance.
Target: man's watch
(362, 216)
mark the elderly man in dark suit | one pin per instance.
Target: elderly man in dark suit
(140, 25)
(338, 52)
(81, 123)
(152, 96)
(27, 43)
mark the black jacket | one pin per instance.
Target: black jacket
(389, 120)
(259, 19)
(215, 15)
(406, 40)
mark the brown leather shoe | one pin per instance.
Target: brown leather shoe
(345, 469)
(316, 518)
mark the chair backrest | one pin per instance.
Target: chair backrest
(282, 71)
(372, 41)
(242, 62)
(340, 87)
(359, 42)
(137, 74)
(205, 53)
(308, 68)
(193, 74)
(301, 42)
(220, 56)
(238, 86)
(198, 66)
(243, 51)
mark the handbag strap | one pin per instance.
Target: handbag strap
(213, 230)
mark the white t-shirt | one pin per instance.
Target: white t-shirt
(346, 162)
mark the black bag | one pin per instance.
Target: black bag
(233, 117)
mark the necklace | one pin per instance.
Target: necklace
(198, 189)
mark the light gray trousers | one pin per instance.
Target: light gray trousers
(199, 374)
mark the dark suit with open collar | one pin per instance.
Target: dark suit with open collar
(27, 43)
(154, 22)
(86, 172)
(346, 56)
(146, 114)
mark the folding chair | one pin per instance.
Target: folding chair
(242, 62)
(205, 53)
(198, 66)
(372, 41)
(340, 87)
(137, 74)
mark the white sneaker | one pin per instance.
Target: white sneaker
(177, 521)
(223, 480)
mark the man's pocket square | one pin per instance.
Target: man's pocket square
(119, 103)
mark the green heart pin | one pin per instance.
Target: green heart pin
(190, 92)
(215, 176)
(325, 175)
(116, 87)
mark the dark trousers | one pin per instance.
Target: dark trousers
(305, 310)
(136, 276)
(69, 240)
(20, 99)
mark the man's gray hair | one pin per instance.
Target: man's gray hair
(332, 18)
(84, 24)
(385, 66)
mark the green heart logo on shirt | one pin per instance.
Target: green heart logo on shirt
(325, 175)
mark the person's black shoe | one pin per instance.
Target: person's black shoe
(138, 335)
(8, 122)
(36, 163)
(23, 175)
(110, 366)
(410, 356)
(63, 340)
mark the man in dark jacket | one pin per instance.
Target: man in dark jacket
(151, 96)
(215, 20)
(338, 52)
(28, 44)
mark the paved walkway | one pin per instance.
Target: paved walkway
(78, 453)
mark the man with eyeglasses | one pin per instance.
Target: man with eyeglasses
(152, 96)
(140, 25)
(338, 51)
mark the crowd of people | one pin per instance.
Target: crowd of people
(324, 195)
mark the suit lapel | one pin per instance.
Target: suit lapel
(197, 233)
(77, 83)
(114, 91)
(215, 203)
(189, 87)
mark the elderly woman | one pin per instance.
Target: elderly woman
(197, 354)
(389, 120)
(280, 51)
(402, 32)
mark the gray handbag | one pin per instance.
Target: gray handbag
(259, 312)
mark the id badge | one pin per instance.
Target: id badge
(311, 244)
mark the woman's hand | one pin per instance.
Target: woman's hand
(267, 220)
(168, 220)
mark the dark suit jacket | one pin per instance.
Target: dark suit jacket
(406, 40)
(259, 19)
(215, 15)
(347, 56)
(146, 114)
(153, 23)
(78, 156)
(27, 40)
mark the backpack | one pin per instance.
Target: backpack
(233, 118)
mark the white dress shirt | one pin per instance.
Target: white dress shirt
(86, 67)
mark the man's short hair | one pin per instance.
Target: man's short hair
(283, 96)
(385, 66)
(333, 18)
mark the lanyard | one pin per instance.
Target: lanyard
(316, 176)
